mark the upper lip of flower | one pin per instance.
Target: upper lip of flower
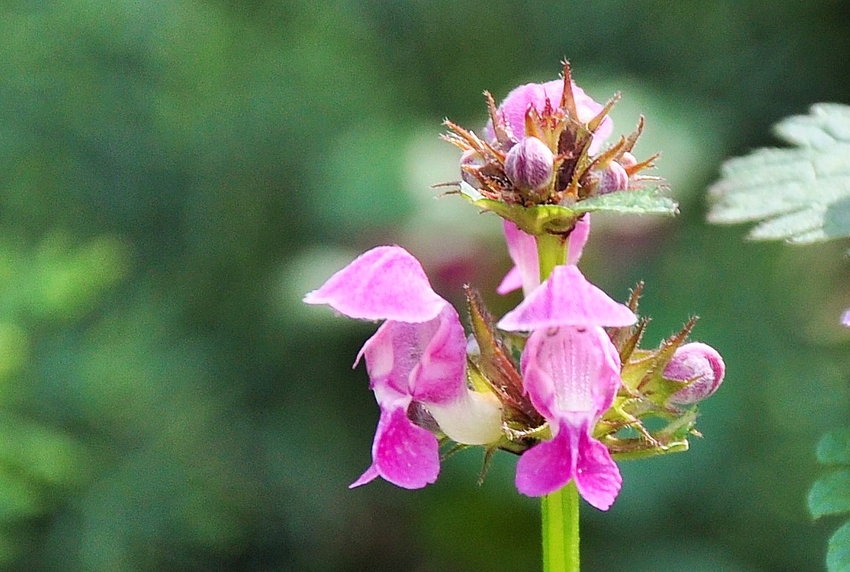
(566, 298)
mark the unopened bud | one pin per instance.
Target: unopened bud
(530, 164)
(701, 367)
(612, 178)
(627, 160)
(471, 160)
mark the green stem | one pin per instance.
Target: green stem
(560, 530)
(560, 510)
(551, 252)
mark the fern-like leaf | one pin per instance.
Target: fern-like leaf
(800, 194)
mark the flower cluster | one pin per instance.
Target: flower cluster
(559, 380)
(539, 163)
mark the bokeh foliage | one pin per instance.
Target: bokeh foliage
(175, 174)
(798, 194)
(830, 494)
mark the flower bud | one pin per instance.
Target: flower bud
(701, 367)
(530, 164)
(612, 178)
(627, 160)
(471, 159)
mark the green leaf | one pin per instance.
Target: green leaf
(641, 201)
(838, 552)
(800, 194)
(830, 494)
(834, 447)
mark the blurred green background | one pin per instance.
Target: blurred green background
(175, 175)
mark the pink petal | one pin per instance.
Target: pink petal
(597, 476)
(519, 99)
(571, 454)
(403, 453)
(522, 248)
(425, 361)
(367, 477)
(566, 298)
(571, 374)
(385, 283)
(845, 318)
(577, 239)
(512, 281)
(546, 467)
(440, 374)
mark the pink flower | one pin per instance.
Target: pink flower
(571, 372)
(522, 248)
(845, 318)
(517, 102)
(572, 376)
(417, 355)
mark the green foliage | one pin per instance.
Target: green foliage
(834, 448)
(838, 553)
(640, 201)
(830, 495)
(53, 283)
(800, 194)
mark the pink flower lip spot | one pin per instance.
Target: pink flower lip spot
(699, 364)
(566, 298)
